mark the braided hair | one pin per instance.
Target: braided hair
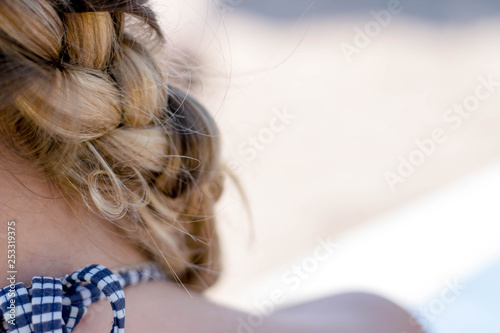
(84, 101)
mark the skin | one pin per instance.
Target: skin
(50, 241)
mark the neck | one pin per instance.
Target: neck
(52, 238)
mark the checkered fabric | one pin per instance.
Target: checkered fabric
(58, 304)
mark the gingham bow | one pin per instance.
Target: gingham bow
(57, 305)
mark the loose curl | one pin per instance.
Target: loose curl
(84, 101)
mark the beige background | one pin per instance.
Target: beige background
(323, 174)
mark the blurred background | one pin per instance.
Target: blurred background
(366, 135)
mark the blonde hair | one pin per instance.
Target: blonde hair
(82, 99)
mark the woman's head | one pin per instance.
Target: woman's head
(84, 103)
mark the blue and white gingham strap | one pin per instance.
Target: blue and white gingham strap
(57, 305)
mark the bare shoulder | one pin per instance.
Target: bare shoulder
(160, 306)
(351, 312)
(167, 307)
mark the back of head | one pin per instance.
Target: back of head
(83, 101)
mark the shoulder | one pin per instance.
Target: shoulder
(350, 312)
(160, 306)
